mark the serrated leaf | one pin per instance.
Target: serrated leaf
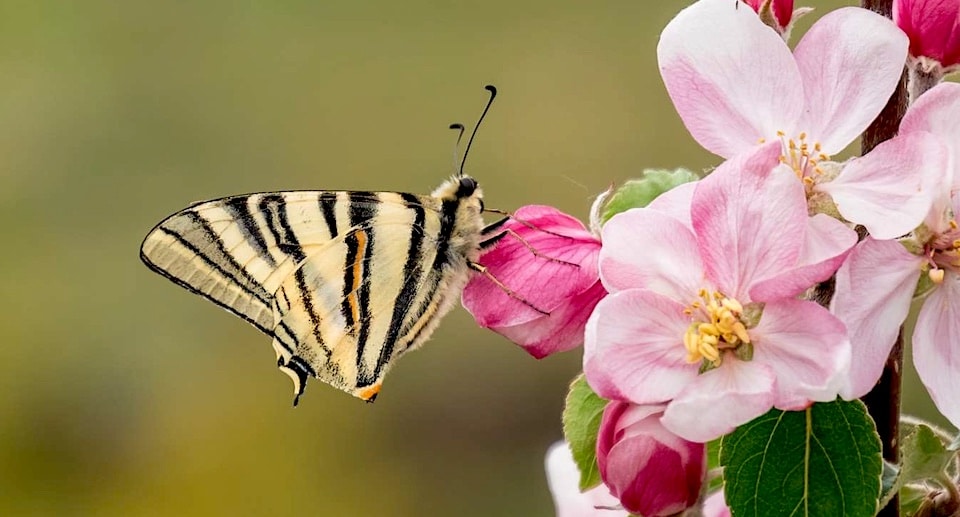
(640, 192)
(890, 483)
(581, 423)
(924, 455)
(823, 461)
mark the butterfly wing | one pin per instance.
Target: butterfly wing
(344, 282)
(354, 307)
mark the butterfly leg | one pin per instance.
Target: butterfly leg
(480, 268)
(496, 238)
(526, 223)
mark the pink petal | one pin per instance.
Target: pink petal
(676, 202)
(932, 26)
(562, 330)
(720, 400)
(938, 111)
(633, 348)
(545, 283)
(884, 190)
(750, 216)
(652, 471)
(807, 349)
(563, 478)
(936, 347)
(873, 292)
(716, 505)
(648, 249)
(850, 61)
(731, 78)
(826, 245)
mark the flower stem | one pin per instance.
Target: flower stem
(883, 402)
(922, 79)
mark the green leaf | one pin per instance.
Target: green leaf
(823, 461)
(581, 423)
(890, 483)
(713, 462)
(640, 192)
(924, 455)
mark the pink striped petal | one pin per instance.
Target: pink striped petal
(807, 349)
(850, 61)
(887, 190)
(646, 248)
(938, 111)
(750, 216)
(873, 293)
(633, 348)
(719, 400)
(936, 347)
(731, 78)
(826, 245)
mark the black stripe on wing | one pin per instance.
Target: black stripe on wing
(361, 211)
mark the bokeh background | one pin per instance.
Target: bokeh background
(122, 394)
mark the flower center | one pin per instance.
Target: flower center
(721, 327)
(803, 157)
(943, 252)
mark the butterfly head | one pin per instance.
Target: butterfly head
(459, 188)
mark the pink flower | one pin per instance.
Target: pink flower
(736, 84)
(778, 14)
(933, 27)
(651, 470)
(716, 505)
(705, 318)
(877, 283)
(560, 277)
(564, 480)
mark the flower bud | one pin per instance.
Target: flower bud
(778, 14)
(651, 470)
(548, 262)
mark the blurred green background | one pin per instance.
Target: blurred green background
(122, 394)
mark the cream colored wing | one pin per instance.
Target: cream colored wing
(344, 282)
(355, 306)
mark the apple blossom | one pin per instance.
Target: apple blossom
(877, 283)
(778, 14)
(549, 259)
(933, 27)
(563, 477)
(651, 470)
(736, 85)
(705, 318)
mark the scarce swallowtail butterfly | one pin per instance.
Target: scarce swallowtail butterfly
(344, 282)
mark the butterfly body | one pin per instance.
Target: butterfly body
(344, 282)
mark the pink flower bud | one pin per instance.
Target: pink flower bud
(651, 470)
(933, 27)
(548, 259)
(776, 13)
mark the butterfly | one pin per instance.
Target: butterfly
(345, 282)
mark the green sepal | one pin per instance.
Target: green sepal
(639, 193)
(924, 455)
(581, 423)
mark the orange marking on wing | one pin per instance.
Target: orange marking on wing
(369, 393)
(357, 270)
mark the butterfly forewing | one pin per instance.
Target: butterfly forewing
(345, 282)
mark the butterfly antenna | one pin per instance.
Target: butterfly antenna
(493, 94)
(456, 147)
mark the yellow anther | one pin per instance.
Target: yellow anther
(803, 136)
(936, 276)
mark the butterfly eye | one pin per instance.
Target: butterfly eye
(467, 187)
